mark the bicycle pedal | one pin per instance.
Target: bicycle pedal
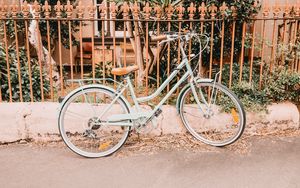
(60, 99)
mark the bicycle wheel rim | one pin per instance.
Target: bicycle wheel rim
(71, 144)
(220, 129)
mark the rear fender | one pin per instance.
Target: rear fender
(100, 86)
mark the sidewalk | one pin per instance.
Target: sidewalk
(268, 162)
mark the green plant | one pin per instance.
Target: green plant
(102, 71)
(252, 98)
(14, 77)
(236, 72)
(282, 84)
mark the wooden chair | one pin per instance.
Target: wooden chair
(86, 55)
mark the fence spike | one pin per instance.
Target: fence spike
(69, 9)
(37, 9)
(191, 9)
(287, 10)
(223, 9)
(180, 10)
(213, 9)
(3, 9)
(169, 11)
(46, 8)
(80, 9)
(103, 10)
(234, 11)
(297, 9)
(147, 9)
(25, 9)
(276, 10)
(58, 8)
(203, 10)
(125, 9)
(92, 11)
(113, 10)
(266, 10)
(14, 9)
(135, 8)
(158, 11)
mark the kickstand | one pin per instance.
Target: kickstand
(139, 138)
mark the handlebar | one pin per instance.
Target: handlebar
(171, 36)
(184, 36)
(159, 38)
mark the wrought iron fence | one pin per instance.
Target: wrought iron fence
(119, 35)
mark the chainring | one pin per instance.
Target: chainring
(145, 128)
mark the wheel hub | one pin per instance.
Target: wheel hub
(143, 126)
(209, 113)
(94, 123)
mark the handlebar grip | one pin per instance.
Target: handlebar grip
(158, 38)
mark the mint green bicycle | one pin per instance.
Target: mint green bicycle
(95, 120)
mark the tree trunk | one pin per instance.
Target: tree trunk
(137, 47)
(43, 54)
(159, 51)
(139, 55)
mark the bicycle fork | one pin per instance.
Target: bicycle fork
(200, 98)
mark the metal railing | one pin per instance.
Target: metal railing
(30, 32)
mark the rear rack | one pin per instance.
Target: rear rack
(82, 82)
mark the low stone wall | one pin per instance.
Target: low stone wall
(39, 120)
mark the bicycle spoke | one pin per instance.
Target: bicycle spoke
(75, 114)
(192, 114)
(214, 98)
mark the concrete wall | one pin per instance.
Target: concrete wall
(38, 121)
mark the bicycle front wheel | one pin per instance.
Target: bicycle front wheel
(218, 120)
(82, 120)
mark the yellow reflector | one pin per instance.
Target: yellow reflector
(104, 145)
(234, 115)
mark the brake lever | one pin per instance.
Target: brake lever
(169, 39)
(164, 41)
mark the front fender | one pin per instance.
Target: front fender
(186, 87)
(100, 86)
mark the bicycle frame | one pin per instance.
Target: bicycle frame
(113, 119)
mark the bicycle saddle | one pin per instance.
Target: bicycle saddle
(124, 70)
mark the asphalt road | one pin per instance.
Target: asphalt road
(270, 162)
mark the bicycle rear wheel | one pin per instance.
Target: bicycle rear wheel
(222, 120)
(81, 124)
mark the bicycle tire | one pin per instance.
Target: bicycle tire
(81, 108)
(237, 114)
